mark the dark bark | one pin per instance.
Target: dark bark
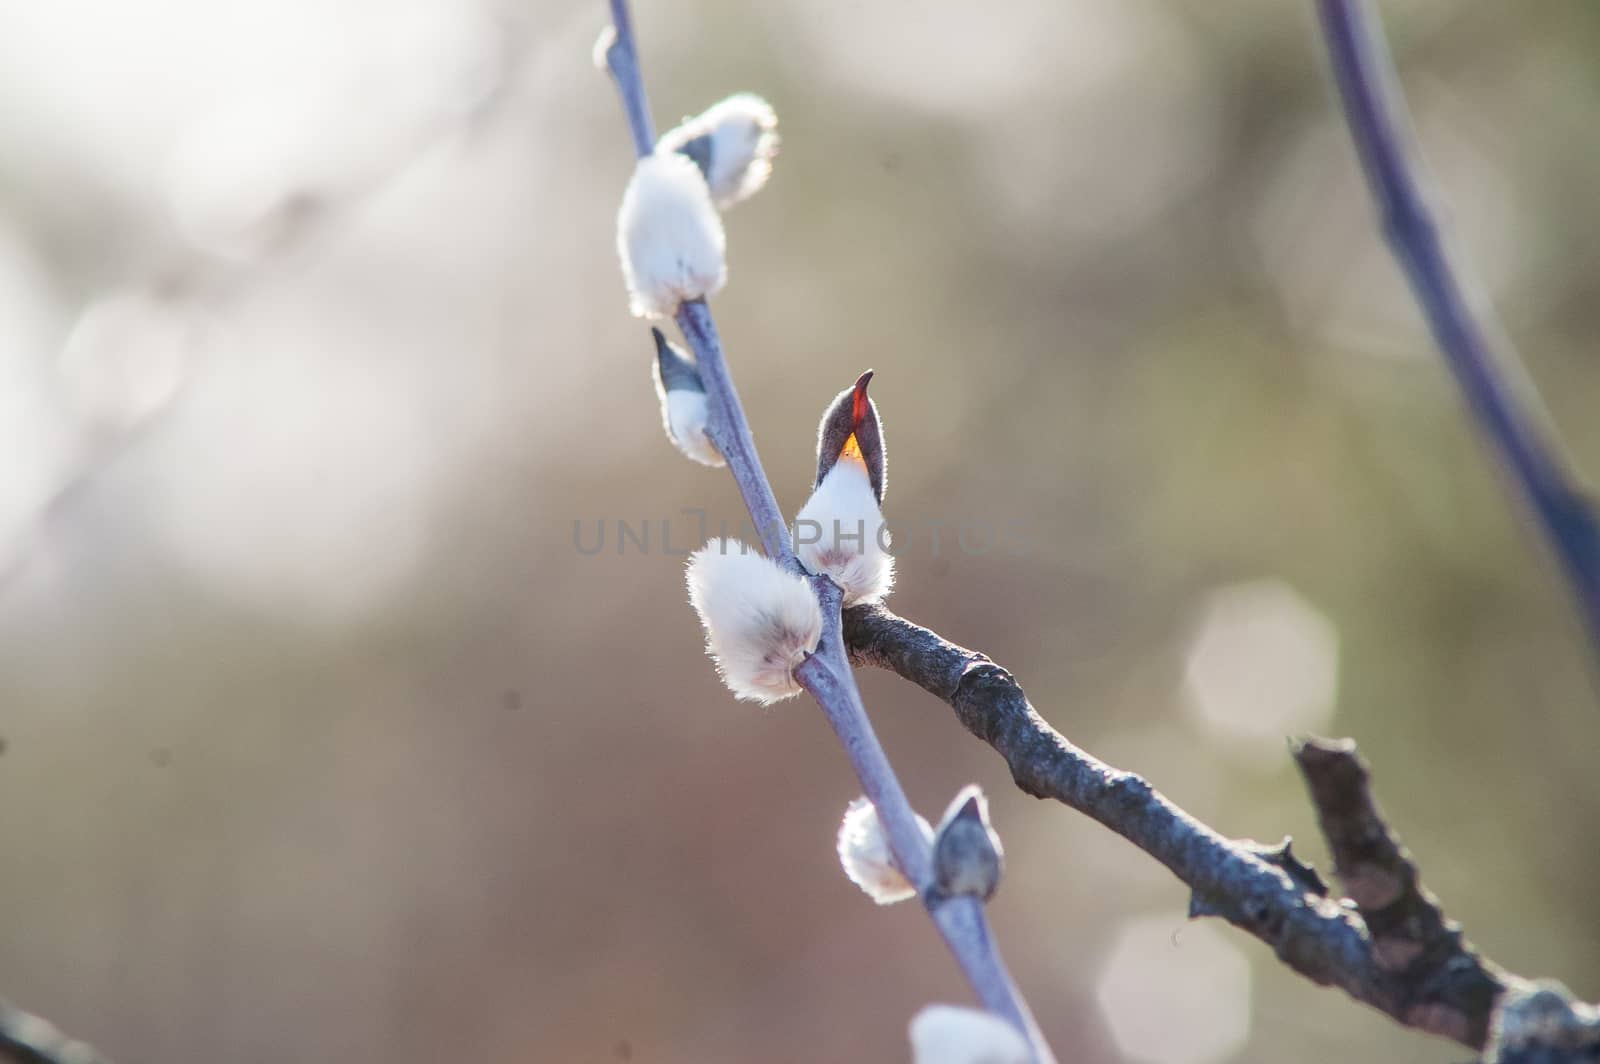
(1387, 944)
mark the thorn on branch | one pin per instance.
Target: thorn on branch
(1282, 855)
(1300, 871)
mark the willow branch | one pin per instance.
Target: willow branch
(826, 674)
(1387, 944)
(1497, 389)
(730, 432)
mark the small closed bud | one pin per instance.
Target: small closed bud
(733, 142)
(684, 411)
(864, 854)
(669, 236)
(950, 1034)
(761, 620)
(967, 857)
(840, 530)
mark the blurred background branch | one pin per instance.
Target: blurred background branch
(1498, 390)
(237, 217)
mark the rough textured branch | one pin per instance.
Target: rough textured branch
(26, 1039)
(1424, 953)
(1497, 388)
(1389, 945)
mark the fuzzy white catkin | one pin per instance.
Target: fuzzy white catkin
(840, 532)
(600, 54)
(864, 854)
(669, 236)
(949, 1034)
(685, 414)
(743, 130)
(760, 619)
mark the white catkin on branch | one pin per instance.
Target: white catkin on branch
(761, 620)
(685, 411)
(686, 415)
(840, 531)
(733, 142)
(948, 1034)
(669, 236)
(865, 857)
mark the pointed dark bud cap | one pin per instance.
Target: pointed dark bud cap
(701, 151)
(852, 416)
(967, 857)
(675, 371)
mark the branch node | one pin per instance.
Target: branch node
(1389, 945)
(1540, 1023)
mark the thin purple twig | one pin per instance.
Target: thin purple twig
(730, 431)
(1497, 388)
(623, 60)
(826, 674)
(961, 921)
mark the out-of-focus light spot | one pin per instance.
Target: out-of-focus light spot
(113, 84)
(299, 475)
(233, 186)
(1154, 139)
(27, 307)
(125, 359)
(441, 60)
(269, 156)
(1263, 663)
(948, 57)
(1175, 993)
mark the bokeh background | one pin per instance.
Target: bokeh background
(323, 742)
